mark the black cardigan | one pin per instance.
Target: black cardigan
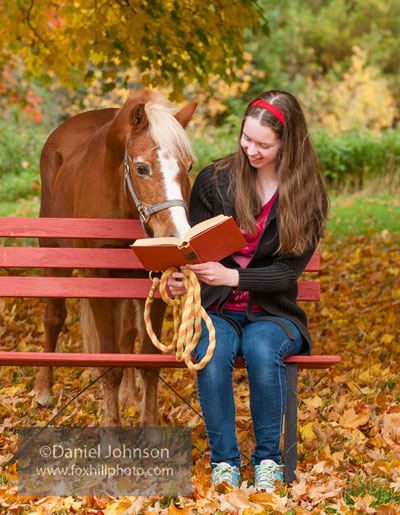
(270, 278)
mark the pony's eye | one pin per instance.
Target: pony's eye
(190, 167)
(142, 170)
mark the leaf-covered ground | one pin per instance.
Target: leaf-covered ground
(349, 417)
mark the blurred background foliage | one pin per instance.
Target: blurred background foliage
(339, 57)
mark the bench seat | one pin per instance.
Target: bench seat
(108, 257)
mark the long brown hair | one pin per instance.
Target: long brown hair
(302, 200)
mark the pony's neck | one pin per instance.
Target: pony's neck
(116, 140)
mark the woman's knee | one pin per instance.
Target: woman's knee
(267, 341)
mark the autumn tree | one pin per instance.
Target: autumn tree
(170, 42)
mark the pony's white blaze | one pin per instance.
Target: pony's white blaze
(170, 170)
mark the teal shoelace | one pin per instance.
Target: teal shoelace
(225, 472)
(266, 475)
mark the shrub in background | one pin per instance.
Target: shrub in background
(19, 159)
(350, 159)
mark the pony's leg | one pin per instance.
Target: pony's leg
(127, 332)
(150, 415)
(103, 312)
(54, 318)
(90, 338)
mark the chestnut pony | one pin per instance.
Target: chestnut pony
(131, 162)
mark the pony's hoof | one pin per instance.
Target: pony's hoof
(43, 397)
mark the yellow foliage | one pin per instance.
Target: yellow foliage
(71, 104)
(360, 99)
(169, 43)
(212, 101)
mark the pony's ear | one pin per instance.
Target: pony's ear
(139, 117)
(185, 114)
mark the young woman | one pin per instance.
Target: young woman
(273, 188)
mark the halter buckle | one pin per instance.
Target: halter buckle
(144, 214)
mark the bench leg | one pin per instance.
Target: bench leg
(290, 450)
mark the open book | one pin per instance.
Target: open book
(210, 240)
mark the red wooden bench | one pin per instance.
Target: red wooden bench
(80, 287)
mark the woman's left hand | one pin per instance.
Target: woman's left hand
(215, 274)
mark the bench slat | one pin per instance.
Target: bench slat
(92, 228)
(74, 287)
(89, 287)
(314, 264)
(47, 257)
(133, 360)
(36, 257)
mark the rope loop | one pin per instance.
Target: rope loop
(187, 315)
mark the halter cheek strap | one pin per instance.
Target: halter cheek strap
(269, 107)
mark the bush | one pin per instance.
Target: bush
(352, 158)
(19, 159)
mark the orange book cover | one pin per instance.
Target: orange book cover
(210, 240)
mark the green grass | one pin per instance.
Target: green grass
(361, 213)
(379, 490)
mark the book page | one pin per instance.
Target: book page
(151, 242)
(204, 225)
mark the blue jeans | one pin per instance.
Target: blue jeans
(264, 345)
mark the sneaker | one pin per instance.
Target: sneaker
(225, 472)
(266, 473)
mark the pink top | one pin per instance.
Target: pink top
(238, 300)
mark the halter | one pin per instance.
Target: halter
(146, 211)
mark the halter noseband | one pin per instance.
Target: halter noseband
(146, 211)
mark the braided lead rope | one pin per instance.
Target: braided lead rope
(187, 315)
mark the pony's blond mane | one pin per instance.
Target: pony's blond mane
(166, 131)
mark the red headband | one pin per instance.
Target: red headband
(269, 107)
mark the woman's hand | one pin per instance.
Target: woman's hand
(212, 273)
(215, 274)
(175, 285)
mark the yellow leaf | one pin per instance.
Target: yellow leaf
(117, 508)
(351, 419)
(387, 338)
(315, 402)
(201, 444)
(307, 432)
(13, 390)
(319, 467)
(131, 411)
